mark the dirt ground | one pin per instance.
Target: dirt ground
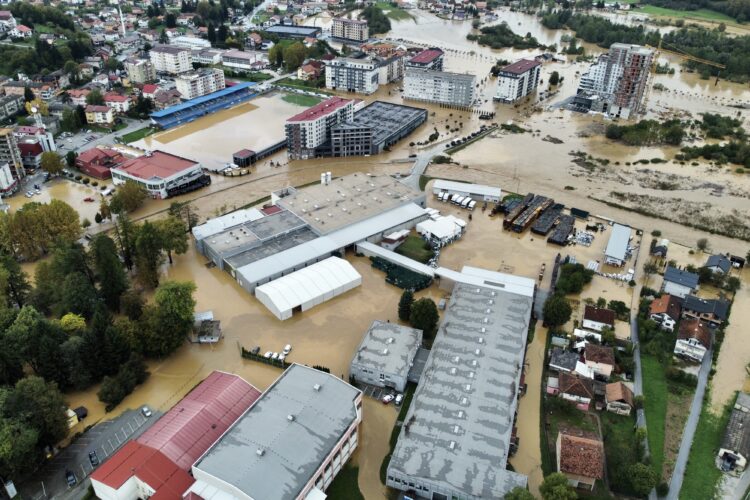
(678, 409)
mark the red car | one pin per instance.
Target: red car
(88, 199)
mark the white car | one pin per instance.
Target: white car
(387, 399)
(268, 355)
(287, 349)
(275, 356)
(146, 411)
(282, 357)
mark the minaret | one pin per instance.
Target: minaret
(122, 21)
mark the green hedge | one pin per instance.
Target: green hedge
(400, 276)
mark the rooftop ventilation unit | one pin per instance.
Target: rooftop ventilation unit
(486, 320)
(464, 401)
(453, 371)
(385, 351)
(455, 429)
(488, 311)
(389, 340)
(481, 340)
(460, 414)
(468, 387)
(290, 417)
(260, 452)
(479, 290)
(484, 329)
(491, 302)
(473, 362)
(471, 374)
(316, 387)
(493, 294)
(456, 359)
(452, 445)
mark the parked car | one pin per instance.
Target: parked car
(70, 478)
(255, 350)
(275, 356)
(282, 357)
(93, 459)
(267, 355)
(399, 399)
(146, 411)
(287, 349)
(387, 399)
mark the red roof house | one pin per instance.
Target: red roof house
(159, 461)
(97, 162)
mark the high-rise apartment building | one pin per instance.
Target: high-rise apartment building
(350, 29)
(140, 70)
(442, 87)
(517, 80)
(10, 153)
(171, 59)
(199, 83)
(431, 58)
(352, 74)
(311, 128)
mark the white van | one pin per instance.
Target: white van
(458, 200)
(472, 205)
(465, 203)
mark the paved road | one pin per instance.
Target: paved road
(690, 426)
(77, 143)
(742, 485)
(104, 438)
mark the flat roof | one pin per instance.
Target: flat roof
(202, 99)
(297, 30)
(521, 66)
(396, 258)
(323, 410)
(258, 229)
(426, 56)
(432, 73)
(169, 49)
(619, 238)
(271, 247)
(465, 187)
(458, 427)
(385, 118)
(321, 109)
(388, 348)
(219, 224)
(156, 165)
(347, 200)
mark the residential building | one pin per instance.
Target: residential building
(619, 398)
(8, 184)
(665, 310)
(31, 151)
(735, 446)
(516, 81)
(616, 83)
(618, 246)
(10, 105)
(693, 340)
(308, 130)
(442, 87)
(10, 154)
(679, 282)
(385, 355)
(140, 70)
(350, 29)
(208, 57)
(199, 83)
(598, 318)
(78, 96)
(7, 21)
(431, 58)
(37, 134)
(578, 390)
(97, 162)
(290, 444)
(171, 59)
(158, 463)
(714, 312)
(164, 99)
(21, 31)
(569, 362)
(581, 459)
(99, 115)
(601, 359)
(719, 264)
(453, 443)
(190, 42)
(353, 74)
(242, 60)
(162, 174)
(310, 70)
(117, 102)
(294, 32)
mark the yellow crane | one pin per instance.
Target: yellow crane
(676, 52)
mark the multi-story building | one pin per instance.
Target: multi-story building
(10, 153)
(171, 59)
(190, 42)
(10, 105)
(199, 83)
(243, 61)
(117, 102)
(8, 184)
(308, 130)
(616, 83)
(140, 70)
(351, 74)
(443, 87)
(350, 29)
(517, 80)
(207, 56)
(99, 115)
(431, 58)
(162, 174)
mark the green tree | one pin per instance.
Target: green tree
(294, 55)
(163, 37)
(113, 281)
(554, 78)
(126, 236)
(404, 305)
(170, 20)
(70, 159)
(556, 487)
(73, 324)
(40, 406)
(28, 94)
(702, 244)
(518, 493)
(95, 98)
(23, 335)
(556, 311)
(115, 389)
(17, 282)
(11, 365)
(132, 304)
(78, 295)
(18, 447)
(649, 269)
(733, 284)
(173, 318)
(129, 197)
(185, 212)
(642, 478)
(46, 292)
(52, 162)
(173, 236)
(73, 352)
(148, 254)
(424, 316)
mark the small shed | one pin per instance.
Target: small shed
(244, 158)
(617, 252)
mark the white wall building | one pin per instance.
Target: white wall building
(190, 42)
(352, 75)
(309, 129)
(350, 29)
(477, 191)
(517, 80)
(140, 70)
(157, 172)
(199, 83)
(452, 89)
(171, 59)
(7, 182)
(242, 60)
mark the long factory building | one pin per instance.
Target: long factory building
(309, 225)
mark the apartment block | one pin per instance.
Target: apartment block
(10, 153)
(140, 70)
(351, 74)
(517, 80)
(308, 130)
(350, 29)
(442, 87)
(199, 83)
(431, 58)
(171, 59)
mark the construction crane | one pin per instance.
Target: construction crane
(676, 52)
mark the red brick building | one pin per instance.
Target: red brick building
(96, 162)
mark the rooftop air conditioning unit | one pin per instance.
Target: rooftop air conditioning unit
(290, 417)
(385, 351)
(316, 387)
(260, 452)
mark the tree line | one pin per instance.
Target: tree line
(738, 9)
(501, 36)
(673, 131)
(377, 21)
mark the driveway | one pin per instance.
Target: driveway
(104, 438)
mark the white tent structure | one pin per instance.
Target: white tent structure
(443, 229)
(308, 287)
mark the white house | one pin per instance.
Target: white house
(601, 359)
(21, 31)
(597, 319)
(693, 340)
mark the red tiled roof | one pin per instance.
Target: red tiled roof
(98, 155)
(27, 130)
(273, 209)
(666, 304)
(321, 109)
(600, 315)
(92, 108)
(186, 431)
(78, 92)
(114, 97)
(521, 66)
(158, 165)
(618, 391)
(22, 28)
(427, 56)
(244, 153)
(581, 456)
(150, 88)
(30, 148)
(694, 329)
(599, 354)
(570, 384)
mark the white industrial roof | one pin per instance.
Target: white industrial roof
(617, 246)
(275, 264)
(482, 277)
(318, 280)
(442, 228)
(219, 224)
(396, 258)
(464, 187)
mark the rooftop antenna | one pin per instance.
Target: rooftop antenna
(122, 21)
(37, 117)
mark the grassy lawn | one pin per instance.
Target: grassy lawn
(621, 449)
(701, 474)
(137, 135)
(345, 486)
(655, 395)
(262, 17)
(415, 248)
(395, 13)
(301, 100)
(253, 76)
(702, 14)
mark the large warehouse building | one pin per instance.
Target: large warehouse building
(308, 225)
(457, 434)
